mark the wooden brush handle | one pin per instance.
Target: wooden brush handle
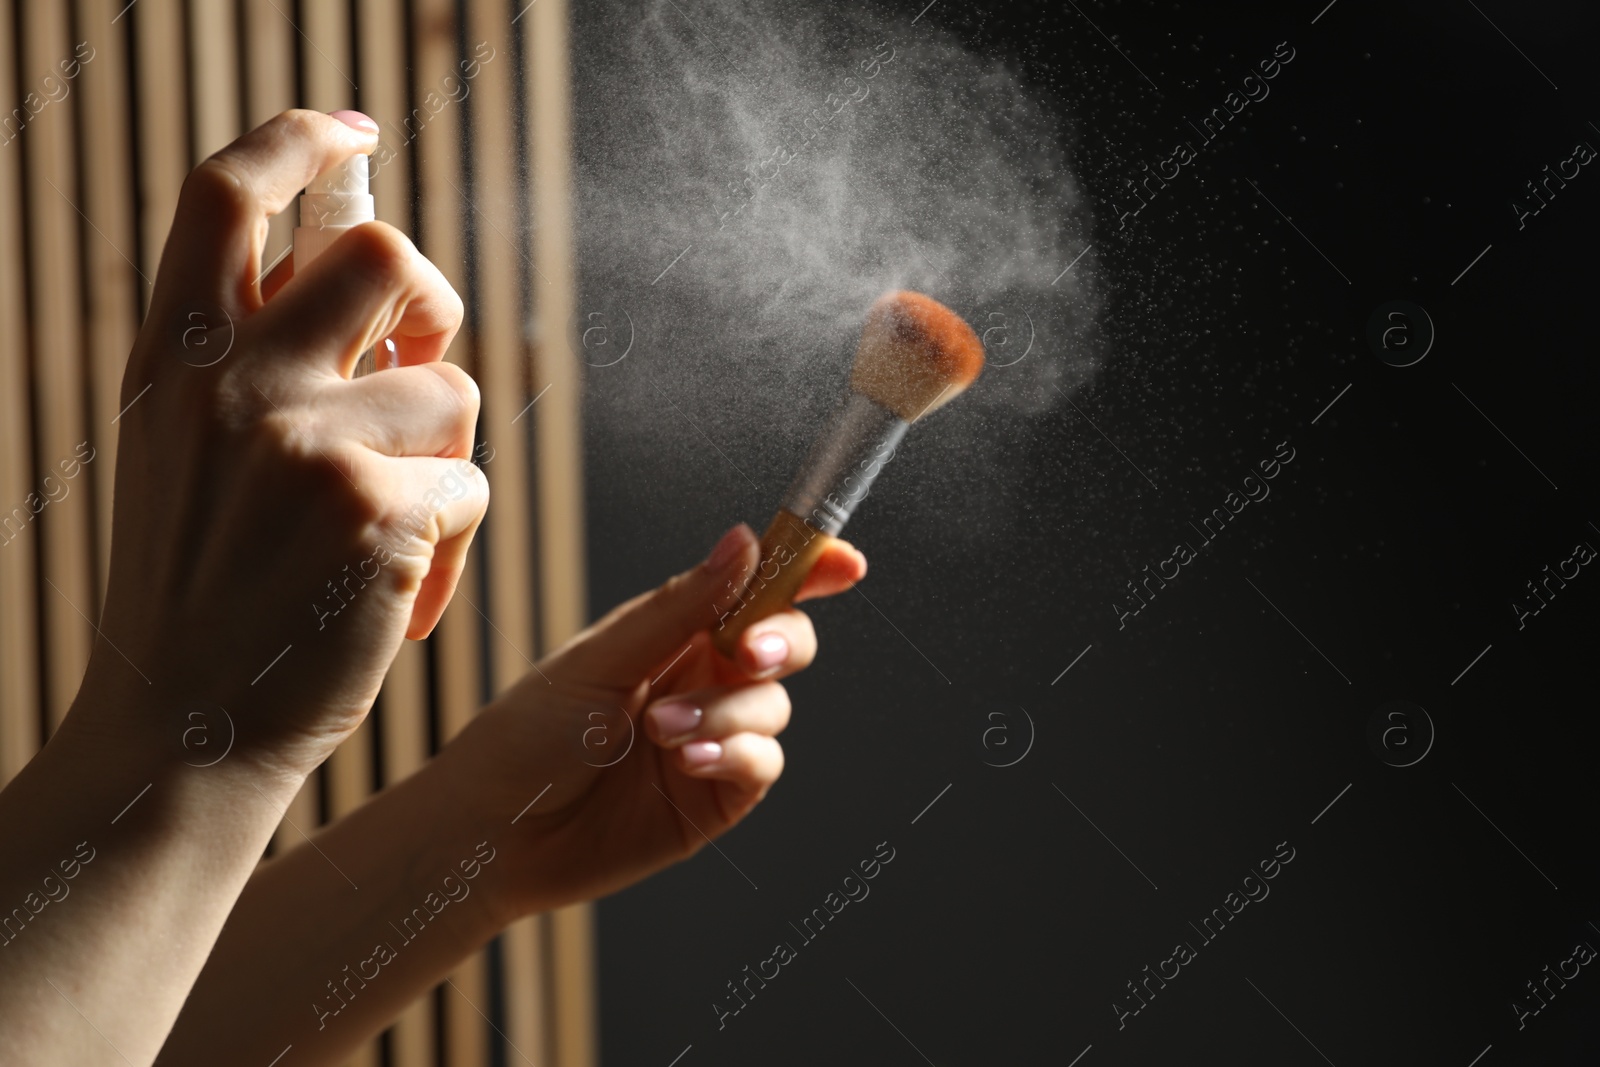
(789, 549)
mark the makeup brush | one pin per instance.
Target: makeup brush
(915, 356)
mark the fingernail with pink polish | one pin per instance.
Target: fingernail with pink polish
(769, 650)
(674, 719)
(701, 754)
(355, 120)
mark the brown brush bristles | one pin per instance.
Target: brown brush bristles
(915, 355)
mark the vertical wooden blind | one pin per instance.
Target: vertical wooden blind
(475, 165)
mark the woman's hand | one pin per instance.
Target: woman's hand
(279, 527)
(651, 743)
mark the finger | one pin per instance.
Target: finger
(840, 566)
(433, 507)
(751, 762)
(439, 587)
(777, 646)
(632, 642)
(427, 410)
(279, 276)
(214, 248)
(371, 284)
(714, 713)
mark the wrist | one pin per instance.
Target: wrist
(471, 770)
(187, 744)
(450, 853)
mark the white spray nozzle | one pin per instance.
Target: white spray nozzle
(338, 197)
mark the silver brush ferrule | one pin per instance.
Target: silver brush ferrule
(848, 454)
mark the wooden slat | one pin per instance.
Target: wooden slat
(269, 88)
(350, 773)
(383, 95)
(213, 41)
(558, 441)
(457, 638)
(502, 359)
(572, 953)
(19, 674)
(325, 56)
(58, 367)
(349, 784)
(114, 292)
(405, 709)
(269, 60)
(163, 121)
(559, 448)
(404, 702)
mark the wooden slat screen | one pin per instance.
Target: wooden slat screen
(88, 185)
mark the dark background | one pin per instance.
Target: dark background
(1211, 728)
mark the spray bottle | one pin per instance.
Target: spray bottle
(336, 200)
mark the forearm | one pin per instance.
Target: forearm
(119, 860)
(327, 944)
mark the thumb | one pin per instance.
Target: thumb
(634, 638)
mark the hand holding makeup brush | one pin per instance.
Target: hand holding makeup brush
(699, 656)
(651, 741)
